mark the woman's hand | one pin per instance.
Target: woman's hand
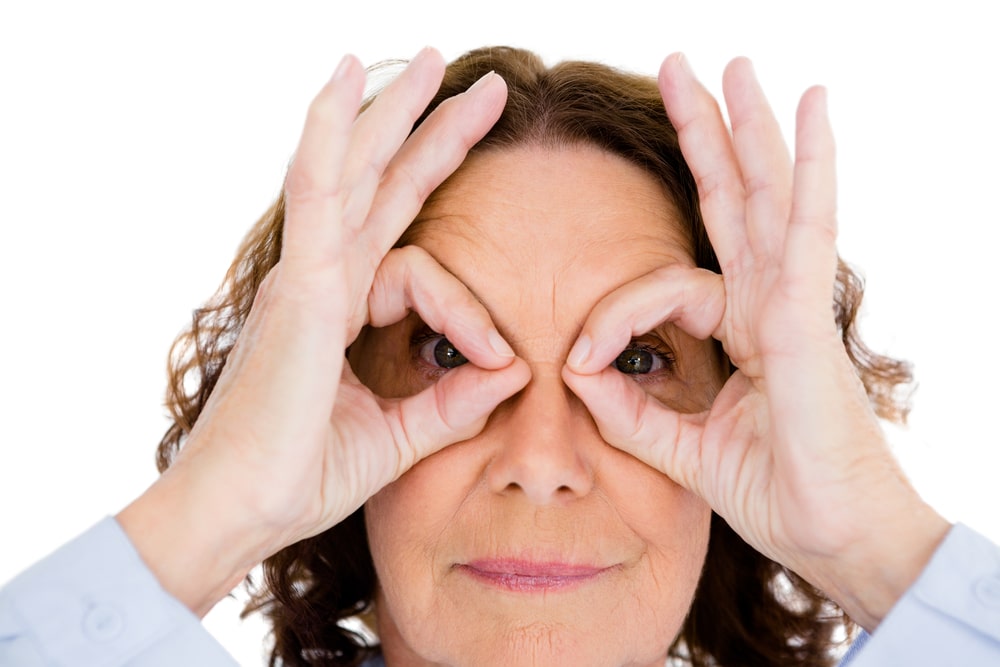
(790, 453)
(290, 442)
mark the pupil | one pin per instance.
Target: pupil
(447, 355)
(634, 361)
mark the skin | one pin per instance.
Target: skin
(288, 414)
(539, 235)
(789, 452)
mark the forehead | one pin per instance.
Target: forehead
(543, 232)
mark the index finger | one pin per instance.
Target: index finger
(694, 299)
(432, 153)
(410, 280)
(708, 149)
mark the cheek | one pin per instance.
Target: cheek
(410, 525)
(407, 520)
(399, 553)
(674, 526)
(415, 523)
(677, 535)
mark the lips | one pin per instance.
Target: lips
(531, 577)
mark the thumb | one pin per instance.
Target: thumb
(453, 409)
(636, 422)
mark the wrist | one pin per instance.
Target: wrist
(869, 583)
(197, 549)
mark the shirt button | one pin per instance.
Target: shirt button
(102, 623)
(988, 591)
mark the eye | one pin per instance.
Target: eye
(643, 359)
(438, 351)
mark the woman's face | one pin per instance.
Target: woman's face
(536, 542)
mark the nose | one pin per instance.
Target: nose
(544, 440)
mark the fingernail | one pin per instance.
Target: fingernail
(421, 54)
(342, 68)
(581, 350)
(482, 81)
(685, 65)
(823, 101)
(499, 345)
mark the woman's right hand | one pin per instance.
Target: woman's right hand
(290, 442)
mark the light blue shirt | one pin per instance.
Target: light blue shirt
(94, 603)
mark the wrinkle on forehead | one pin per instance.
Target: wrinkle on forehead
(540, 235)
(457, 194)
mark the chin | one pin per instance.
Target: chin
(500, 637)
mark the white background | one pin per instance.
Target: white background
(138, 142)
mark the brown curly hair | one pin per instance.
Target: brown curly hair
(748, 610)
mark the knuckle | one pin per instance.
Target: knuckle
(758, 184)
(302, 187)
(404, 265)
(713, 186)
(670, 273)
(411, 255)
(372, 168)
(392, 261)
(403, 176)
(322, 109)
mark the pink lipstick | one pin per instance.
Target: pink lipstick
(531, 577)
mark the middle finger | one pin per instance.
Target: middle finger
(708, 149)
(382, 128)
(763, 158)
(433, 152)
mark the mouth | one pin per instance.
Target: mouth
(521, 576)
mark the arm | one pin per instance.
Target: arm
(950, 616)
(94, 602)
(791, 453)
(289, 442)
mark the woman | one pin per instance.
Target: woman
(572, 523)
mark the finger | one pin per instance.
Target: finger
(433, 153)
(409, 279)
(810, 256)
(694, 299)
(313, 196)
(763, 158)
(384, 126)
(453, 409)
(708, 149)
(635, 422)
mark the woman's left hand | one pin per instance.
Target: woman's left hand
(791, 453)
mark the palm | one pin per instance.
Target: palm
(288, 418)
(775, 449)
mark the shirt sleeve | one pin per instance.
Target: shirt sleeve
(855, 649)
(95, 603)
(950, 616)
